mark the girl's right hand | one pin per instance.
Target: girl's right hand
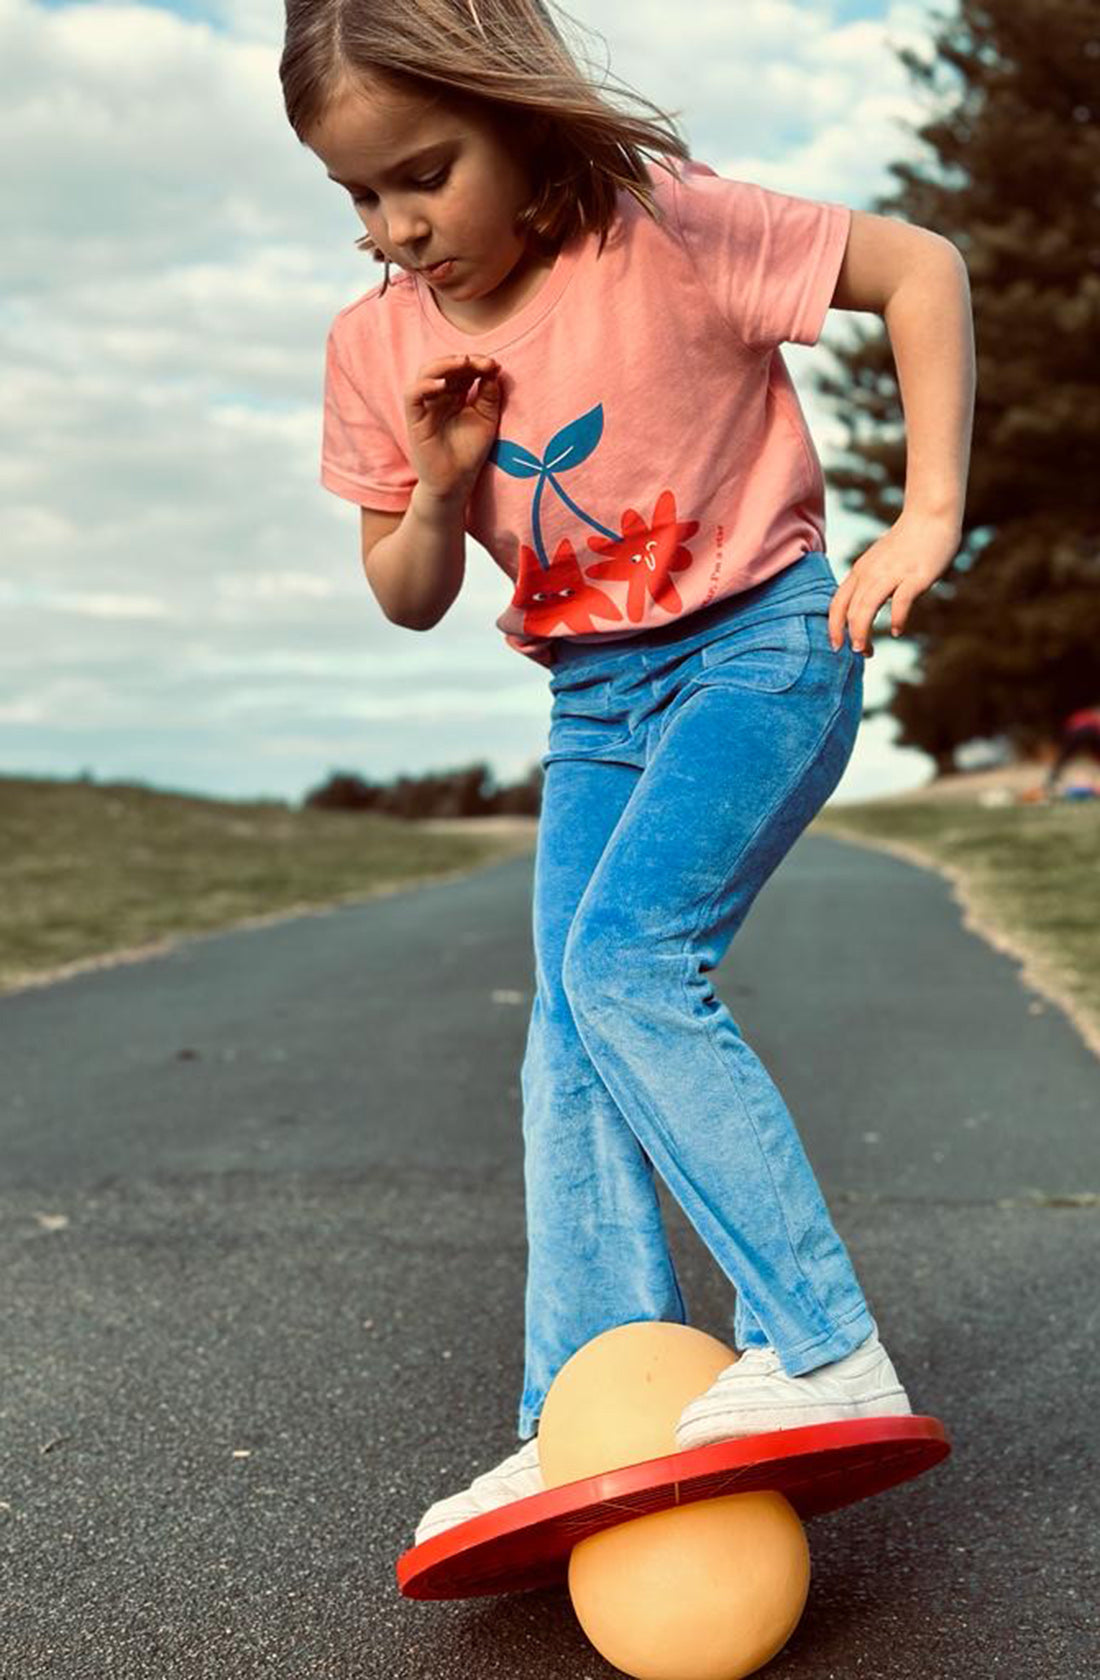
(449, 437)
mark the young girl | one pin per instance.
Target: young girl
(579, 365)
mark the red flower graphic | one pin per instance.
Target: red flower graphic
(558, 594)
(646, 556)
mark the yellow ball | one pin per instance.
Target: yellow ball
(618, 1399)
(708, 1591)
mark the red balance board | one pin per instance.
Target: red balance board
(527, 1543)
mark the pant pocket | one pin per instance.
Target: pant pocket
(768, 657)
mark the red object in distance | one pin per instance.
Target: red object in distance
(526, 1544)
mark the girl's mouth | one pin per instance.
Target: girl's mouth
(440, 270)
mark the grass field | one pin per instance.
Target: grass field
(93, 872)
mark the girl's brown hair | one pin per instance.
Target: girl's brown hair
(510, 57)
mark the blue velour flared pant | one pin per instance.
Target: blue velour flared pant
(682, 765)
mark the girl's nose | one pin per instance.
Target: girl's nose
(407, 231)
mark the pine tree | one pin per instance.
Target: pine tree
(1008, 643)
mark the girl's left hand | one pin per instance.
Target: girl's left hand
(916, 551)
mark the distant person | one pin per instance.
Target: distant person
(580, 367)
(1080, 734)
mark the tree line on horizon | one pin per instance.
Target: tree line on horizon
(470, 790)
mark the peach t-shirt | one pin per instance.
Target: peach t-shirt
(652, 453)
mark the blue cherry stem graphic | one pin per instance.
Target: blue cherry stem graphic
(567, 448)
(580, 513)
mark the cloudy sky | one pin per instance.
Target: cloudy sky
(181, 603)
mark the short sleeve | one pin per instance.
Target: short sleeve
(361, 458)
(769, 260)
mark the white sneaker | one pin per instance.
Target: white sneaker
(755, 1394)
(515, 1478)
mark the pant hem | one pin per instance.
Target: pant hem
(848, 1334)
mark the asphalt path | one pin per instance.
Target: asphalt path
(262, 1246)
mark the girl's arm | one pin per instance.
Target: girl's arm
(417, 570)
(917, 281)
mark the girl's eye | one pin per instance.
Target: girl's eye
(430, 184)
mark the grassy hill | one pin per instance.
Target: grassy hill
(91, 872)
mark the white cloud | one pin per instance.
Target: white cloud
(172, 259)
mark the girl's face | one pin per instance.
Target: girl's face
(432, 181)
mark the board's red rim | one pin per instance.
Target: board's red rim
(525, 1544)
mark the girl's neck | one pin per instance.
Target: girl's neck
(482, 315)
